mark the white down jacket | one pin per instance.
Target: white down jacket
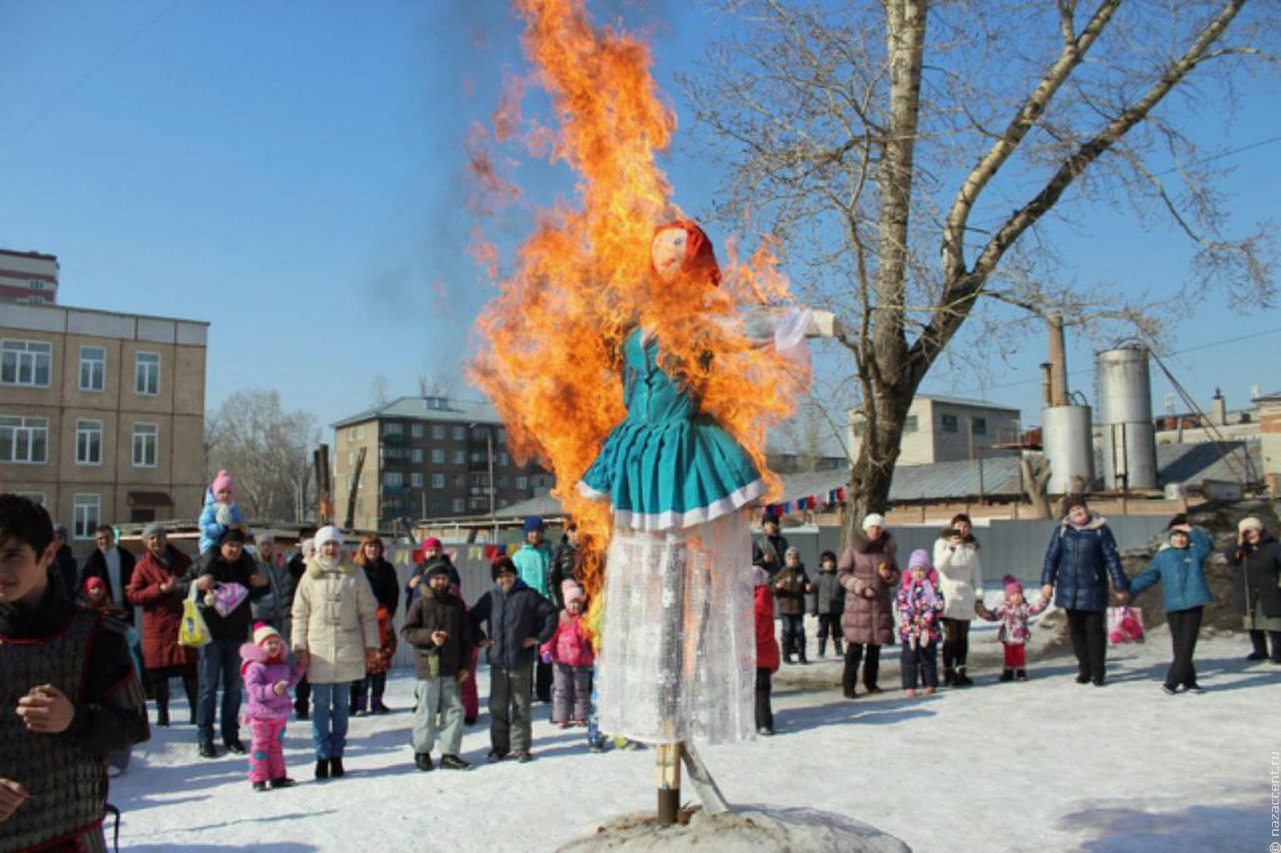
(334, 619)
(960, 577)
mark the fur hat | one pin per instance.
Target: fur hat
(571, 591)
(234, 533)
(503, 564)
(873, 519)
(264, 632)
(1071, 502)
(1249, 523)
(328, 533)
(431, 542)
(920, 559)
(223, 481)
(533, 523)
(155, 528)
(436, 567)
(1012, 585)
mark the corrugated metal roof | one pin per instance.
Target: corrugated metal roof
(428, 409)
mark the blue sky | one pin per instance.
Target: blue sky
(293, 173)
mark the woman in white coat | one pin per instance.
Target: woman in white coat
(956, 557)
(335, 635)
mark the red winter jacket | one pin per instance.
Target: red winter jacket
(161, 611)
(766, 645)
(571, 644)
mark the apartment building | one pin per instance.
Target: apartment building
(102, 414)
(28, 277)
(428, 457)
(948, 429)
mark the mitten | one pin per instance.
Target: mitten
(547, 657)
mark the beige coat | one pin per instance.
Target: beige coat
(960, 578)
(334, 619)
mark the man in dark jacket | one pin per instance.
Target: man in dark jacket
(440, 630)
(220, 657)
(1080, 551)
(566, 564)
(516, 620)
(69, 692)
(768, 550)
(114, 565)
(64, 562)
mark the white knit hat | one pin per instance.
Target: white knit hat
(328, 533)
(874, 519)
(264, 632)
(1246, 523)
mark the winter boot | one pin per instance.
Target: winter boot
(336, 770)
(822, 647)
(1020, 674)
(1007, 675)
(949, 677)
(962, 680)
(322, 768)
(839, 650)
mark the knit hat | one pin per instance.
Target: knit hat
(769, 517)
(328, 533)
(1178, 521)
(430, 543)
(235, 533)
(94, 584)
(1249, 523)
(790, 551)
(533, 523)
(920, 559)
(222, 481)
(265, 539)
(503, 564)
(155, 528)
(874, 519)
(264, 632)
(571, 591)
(1012, 585)
(436, 567)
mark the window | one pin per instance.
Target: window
(460, 481)
(437, 431)
(93, 368)
(978, 426)
(502, 481)
(393, 429)
(26, 363)
(359, 432)
(522, 482)
(503, 459)
(949, 423)
(393, 478)
(438, 481)
(460, 456)
(909, 424)
(87, 512)
(416, 481)
(502, 434)
(146, 373)
(459, 505)
(459, 433)
(416, 455)
(437, 455)
(88, 442)
(416, 430)
(24, 440)
(145, 439)
(437, 506)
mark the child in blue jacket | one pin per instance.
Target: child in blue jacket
(1178, 567)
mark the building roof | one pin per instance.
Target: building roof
(427, 409)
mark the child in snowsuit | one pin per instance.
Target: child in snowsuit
(829, 604)
(219, 512)
(790, 585)
(268, 676)
(571, 655)
(767, 657)
(1013, 616)
(920, 609)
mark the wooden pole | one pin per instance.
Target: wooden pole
(669, 782)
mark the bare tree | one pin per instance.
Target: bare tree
(379, 392)
(436, 384)
(909, 152)
(266, 449)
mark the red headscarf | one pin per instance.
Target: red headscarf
(699, 255)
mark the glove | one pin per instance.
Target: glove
(223, 515)
(547, 657)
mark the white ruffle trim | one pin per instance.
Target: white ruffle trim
(673, 520)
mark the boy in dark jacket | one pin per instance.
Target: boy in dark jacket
(790, 586)
(829, 603)
(69, 691)
(439, 628)
(517, 621)
(769, 549)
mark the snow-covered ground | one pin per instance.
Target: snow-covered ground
(1044, 765)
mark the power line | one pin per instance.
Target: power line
(86, 77)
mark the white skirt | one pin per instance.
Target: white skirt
(678, 651)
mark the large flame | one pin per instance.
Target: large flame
(549, 342)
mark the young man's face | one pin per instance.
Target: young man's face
(105, 540)
(231, 550)
(771, 528)
(506, 580)
(23, 573)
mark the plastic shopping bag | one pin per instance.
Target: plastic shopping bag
(193, 631)
(227, 597)
(1125, 625)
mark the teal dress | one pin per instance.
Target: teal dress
(667, 466)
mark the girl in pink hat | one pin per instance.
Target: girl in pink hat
(1014, 615)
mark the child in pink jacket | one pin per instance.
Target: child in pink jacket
(1014, 615)
(570, 650)
(268, 677)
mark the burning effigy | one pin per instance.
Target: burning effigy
(625, 358)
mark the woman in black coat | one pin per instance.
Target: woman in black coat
(1256, 591)
(367, 693)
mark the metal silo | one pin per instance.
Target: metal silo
(1069, 447)
(1125, 416)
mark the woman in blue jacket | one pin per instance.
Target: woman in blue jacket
(1178, 568)
(1081, 556)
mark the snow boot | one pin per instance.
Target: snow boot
(962, 680)
(322, 768)
(1020, 675)
(949, 677)
(822, 647)
(1007, 675)
(839, 651)
(336, 770)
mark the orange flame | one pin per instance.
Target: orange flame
(549, 342)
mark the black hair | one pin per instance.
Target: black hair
(25, 520)
(827, 555)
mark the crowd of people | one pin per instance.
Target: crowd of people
(314, 637)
